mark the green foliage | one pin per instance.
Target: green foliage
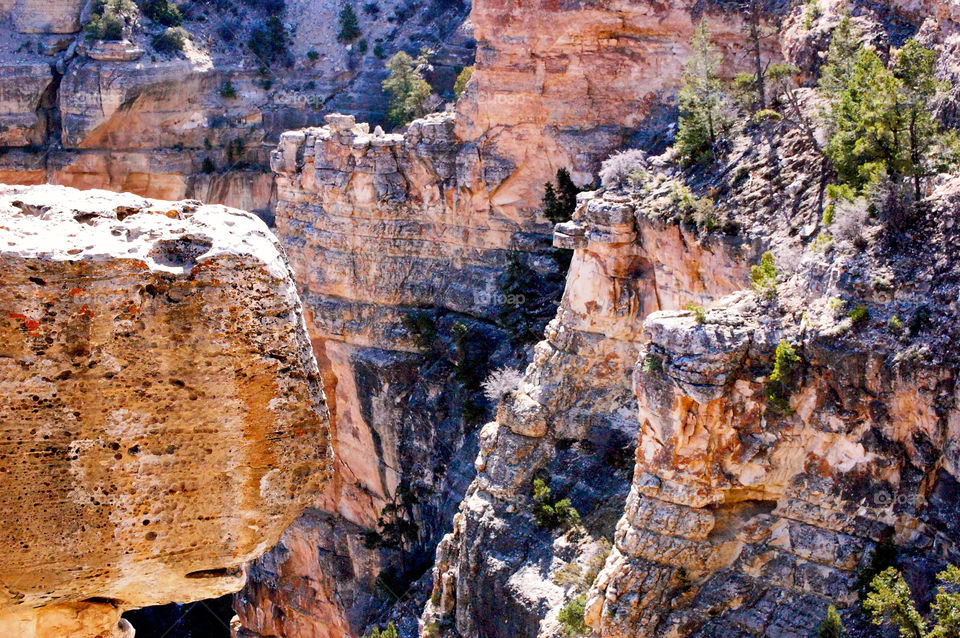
(362, 46)
(883, 557)
(407, 88)
(811, 11)
(462, 78)
(880, 115)
(313, 55)
(890, 602)
(349, 25)
(832, 625)
(270, 43)
(697, 211)
(110, 19)
(551, 514)
(858, 315)
(652, 363)
(782, 379)
(162, 12)
(208, 166)
(895, 324)
(379, 51)
(571, 617)
(702, 102)
(423, 329)
(172, 40)
(765, 115)
(389, 632)
(394, 525)
(764, 276)
(560, 201)
(699, 313)
(227, 90)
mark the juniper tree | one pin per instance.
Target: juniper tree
(349, 25)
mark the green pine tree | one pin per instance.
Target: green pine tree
(407, 87)
(349, 25)
(832, 625)
(702, 102)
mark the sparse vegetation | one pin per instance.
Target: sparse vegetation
(395, 529)
(313, 55)
(172, 40)
(764, 276)
(858, 315)
(571, 617)
(699, 313)
(895, 324)
(407, 88)
(422, 328)
(208, 166)
(389, 632)
(461, 83)
(552, 514)
(111, 19)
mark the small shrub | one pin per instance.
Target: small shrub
(699, 313)
(652, 363)
(462, 78)
(895, 324)
(389, 632)
(850, 219)
(829, 212)
(767, 115)
(764, 276)
(550, 514)
(626, 168)
(571, 617)
(379, 51)
(832, 625)
(313, 55)
(783, 377)
(859, 315)
(227, 90)
(422, 328)
(362, 47)
(111, 19)
(208, 166)
(432, 630)
(172, 40)
(162, 12)
(501, 383)
(349, 25)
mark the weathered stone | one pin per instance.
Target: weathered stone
(163, 415)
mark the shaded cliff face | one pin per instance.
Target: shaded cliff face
(126, 117)
(163, 415)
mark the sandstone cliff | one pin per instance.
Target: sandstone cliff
(163, 416)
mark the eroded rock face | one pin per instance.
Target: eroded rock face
(162, 411)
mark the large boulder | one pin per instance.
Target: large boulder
(162, 419)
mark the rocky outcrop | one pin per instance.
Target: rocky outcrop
(163, 414)
(124, 116)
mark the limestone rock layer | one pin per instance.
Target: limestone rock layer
(162, 416)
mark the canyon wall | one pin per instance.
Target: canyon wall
(124, 116)
(163, 415)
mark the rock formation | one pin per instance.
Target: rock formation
(163, 416)
(124, 116)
